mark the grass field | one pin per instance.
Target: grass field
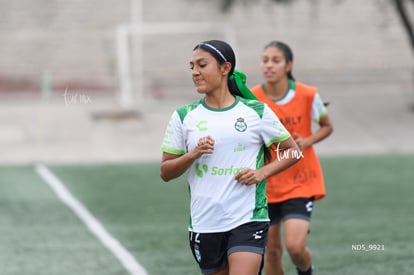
(369, 204)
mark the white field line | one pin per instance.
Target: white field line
(126, 259)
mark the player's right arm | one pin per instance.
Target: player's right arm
(173, 166)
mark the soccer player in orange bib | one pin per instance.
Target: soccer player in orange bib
(292, 192)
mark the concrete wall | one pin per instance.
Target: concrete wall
(73, 41)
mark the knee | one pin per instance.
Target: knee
(296, 251)
(274, 252)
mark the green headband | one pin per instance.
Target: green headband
(240, 80)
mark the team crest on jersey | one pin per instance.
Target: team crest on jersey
(240, 125)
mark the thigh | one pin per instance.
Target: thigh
(296, 215)
(246, 247)
(244, 263)
(296, 233)
(274, 240)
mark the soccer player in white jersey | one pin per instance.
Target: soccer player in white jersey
(221, 140)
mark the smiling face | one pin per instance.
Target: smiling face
(208, 75)
(274, 65)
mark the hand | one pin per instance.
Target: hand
(301, 141)
(250, 176)
(205, 145)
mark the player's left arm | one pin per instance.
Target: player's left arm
(319, 115)
(288, 154)
(324, 130)
(274, 136)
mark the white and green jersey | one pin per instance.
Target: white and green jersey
(218, 202)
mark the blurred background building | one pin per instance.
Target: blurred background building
(98, 80)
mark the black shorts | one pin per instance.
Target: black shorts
(210, 250)
(298, 208)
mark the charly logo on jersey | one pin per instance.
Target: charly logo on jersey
(202, 125)
(258, 235)
(240, 125)
(309, 206)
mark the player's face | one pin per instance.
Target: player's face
(206, 72)
(274, 65)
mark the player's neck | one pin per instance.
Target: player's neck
(276, 90)
(219, 99)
